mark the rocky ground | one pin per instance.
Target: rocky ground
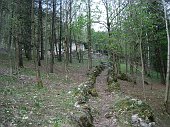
(23, 104)
(104, 118)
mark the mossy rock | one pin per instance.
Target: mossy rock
(81, 90)
(92, 80)
(125, 108)
(114, 87)
(111, 79)
(96, 71)
(123, 76)
(81, 118)
(111, 76)
(81, 98)
(93, 92)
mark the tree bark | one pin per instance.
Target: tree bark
(53, 38)
(46, 37)
(89, 36)
(168, 58)
(60, 41)
(70, 30)
(35, 54)
(41, 30)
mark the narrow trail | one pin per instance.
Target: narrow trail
(104, 116)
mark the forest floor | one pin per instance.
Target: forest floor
(23, 104)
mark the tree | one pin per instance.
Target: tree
(41, 30)
(18, 36)
(26, 28)
(70, 29)
(35, 48)
(168, 57)
(46, 37)
(89, 35)
(60, 40)
(53, 37)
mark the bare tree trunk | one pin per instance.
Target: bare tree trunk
(148, 56)
(89, 36)
(52, 38)
(11, 41)
(168, 58)
(46, 38)
(20, 62)
(1, 13)
(126, 58)
(70, 30)
(141, 56)
(36, 61)
(39, 81)
(66, 46)
(60, 41)
(41, 30)
(142, 71)
(18, 38)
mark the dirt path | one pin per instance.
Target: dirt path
(104, 117)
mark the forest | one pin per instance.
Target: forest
(84, 63)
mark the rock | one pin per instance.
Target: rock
(82, 118)
(134, 119)
(114, 87)
(123, 76)
(81, 99)
(93, 92)
(108, 115)
(136, 112)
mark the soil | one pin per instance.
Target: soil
(103, 117)
(102, 104)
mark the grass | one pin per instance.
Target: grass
(23, 103)
(155, 76)
(31, 106)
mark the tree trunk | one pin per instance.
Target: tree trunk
(141, 55)
(20, 62)
(168, 58)
(18, 37)
(40, 30)
(36, 61)
(1, 13)
(53, 38)
(70, 31)
(66, 46)
(60, 41)
(11, 41)
(126, 58)
(46, 37)
(26, 34)
(89, 36)
(142, 71)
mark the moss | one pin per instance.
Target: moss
(40, 84)
(93, 92)
(123, 76)
(92, 80)
(126, 107)
(81, 118)
(81, 98)
(114, 87)
(111, 76)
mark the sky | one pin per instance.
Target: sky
(97, 26)
(100, 27)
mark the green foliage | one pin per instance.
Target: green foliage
(8, 79)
